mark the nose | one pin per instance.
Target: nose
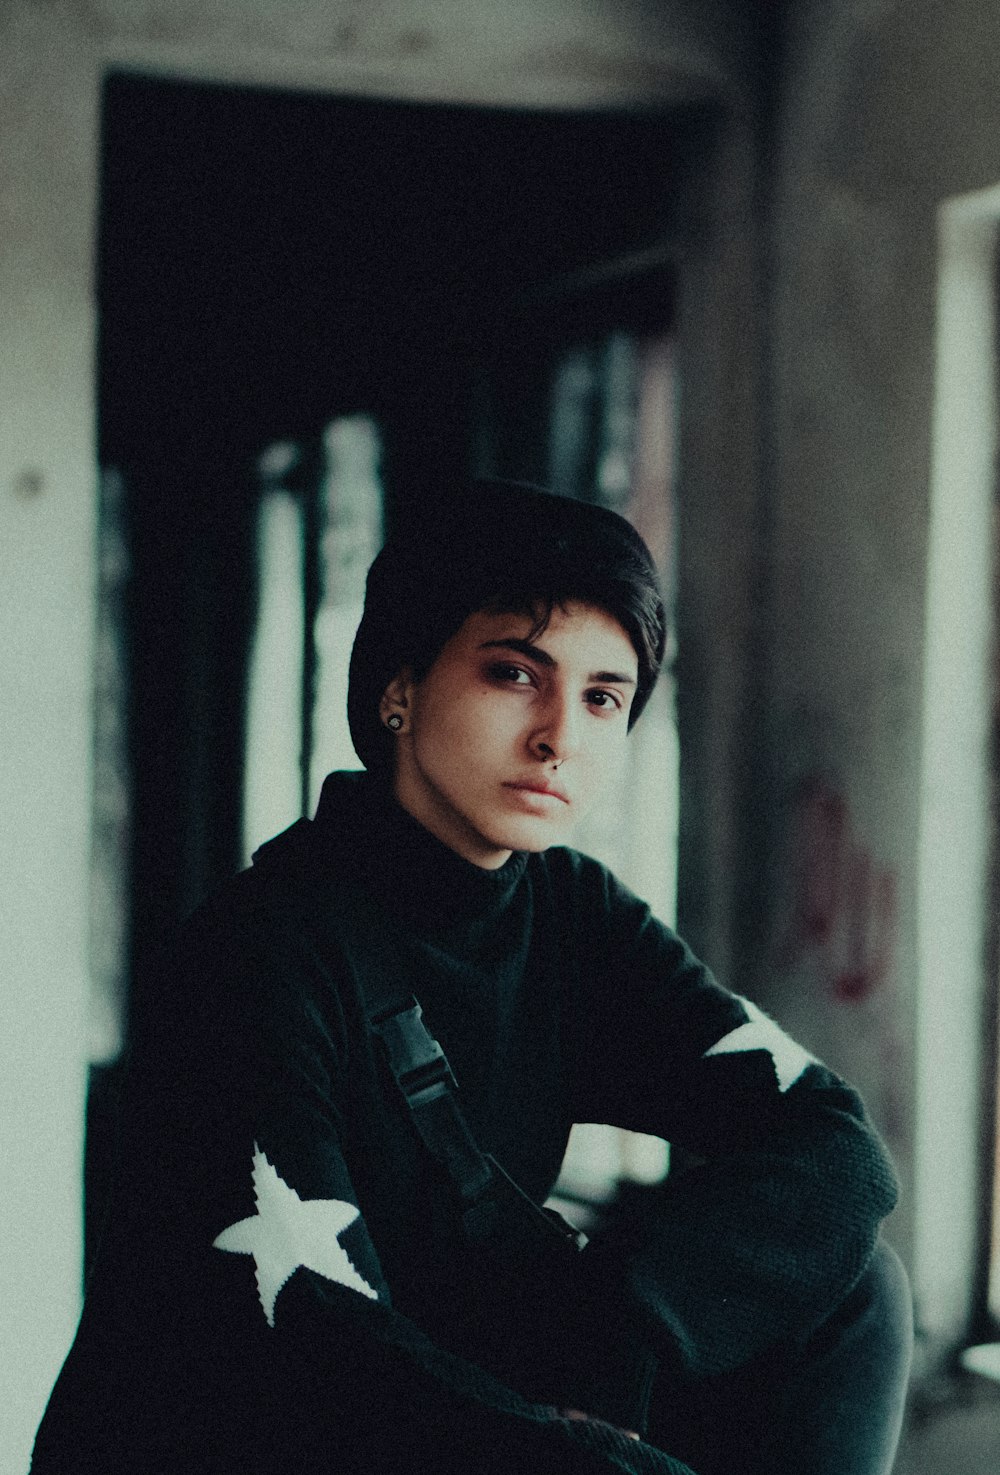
(554, 737)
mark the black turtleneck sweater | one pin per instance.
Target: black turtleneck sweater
(284, 1283)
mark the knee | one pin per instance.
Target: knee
(884, 1306)
(890, 1287)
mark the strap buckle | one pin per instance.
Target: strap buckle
(416, 1060)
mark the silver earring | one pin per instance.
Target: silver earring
(394, 722)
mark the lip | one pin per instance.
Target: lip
(532, 786)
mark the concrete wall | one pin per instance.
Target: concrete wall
(52, 58)
(879, 598)
(720, 527)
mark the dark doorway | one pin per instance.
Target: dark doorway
(267, 261)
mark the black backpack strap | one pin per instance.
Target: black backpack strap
(420, 1069)
(494, 1209)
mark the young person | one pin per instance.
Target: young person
(317, 1260)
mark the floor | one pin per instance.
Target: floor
(958, 1434)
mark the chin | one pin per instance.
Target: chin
(534, 844)
(527, 836)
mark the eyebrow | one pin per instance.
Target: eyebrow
(536, 653)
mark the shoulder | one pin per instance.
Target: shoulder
(594, 902)
(573, 875)
(249, 952)
(294, 877)
(614, 935)
(249, 913)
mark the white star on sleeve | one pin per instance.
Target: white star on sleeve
(761, 1033)
(287, 1232)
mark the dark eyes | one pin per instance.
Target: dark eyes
(598, 697)
(514, 674)
(605, 702)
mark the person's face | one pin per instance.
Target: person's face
(504, 744)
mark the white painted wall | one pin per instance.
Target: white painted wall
(955, 785)
(541, 53)
(47, 516)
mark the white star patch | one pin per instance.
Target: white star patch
(761, 1033)
(287, 1232)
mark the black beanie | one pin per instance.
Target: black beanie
(505, 545)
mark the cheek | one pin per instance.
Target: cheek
(605, 760)
(449, 730)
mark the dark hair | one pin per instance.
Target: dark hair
(503, 546)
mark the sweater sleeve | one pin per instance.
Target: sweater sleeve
(774, 1221)
(241, 1296)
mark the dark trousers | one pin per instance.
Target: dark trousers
(831, 1404)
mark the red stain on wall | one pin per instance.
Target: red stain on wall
(844, 909)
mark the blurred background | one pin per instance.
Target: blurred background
(272, 273)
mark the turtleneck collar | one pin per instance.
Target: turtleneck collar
(410, 871)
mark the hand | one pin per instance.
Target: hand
(576, 1413)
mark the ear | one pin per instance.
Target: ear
(396, 700)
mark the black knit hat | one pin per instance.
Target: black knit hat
(502, 545)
